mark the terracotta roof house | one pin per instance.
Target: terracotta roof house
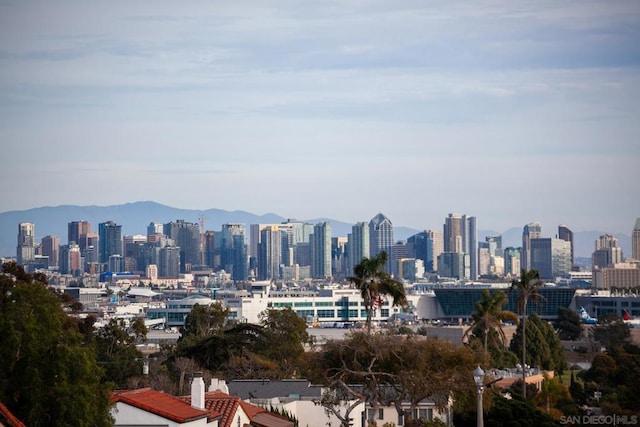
(147, 407)
(236, 412)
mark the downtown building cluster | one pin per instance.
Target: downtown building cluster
(296, 251)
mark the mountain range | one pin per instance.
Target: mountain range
(134, 218)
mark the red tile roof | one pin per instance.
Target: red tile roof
(161, 404)
(221, 403)
(227, 405)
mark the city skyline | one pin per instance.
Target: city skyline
(511, 112)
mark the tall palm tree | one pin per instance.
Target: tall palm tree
(527, 287)
(374, 283)
(489, 316)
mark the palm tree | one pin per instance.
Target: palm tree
(489, 316)
(527, 288)
(374, 282)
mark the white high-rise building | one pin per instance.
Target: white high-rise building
(26, 248)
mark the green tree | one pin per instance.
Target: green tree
(205, 320)
(544, 349)
(48, 374)
(527, 289)
(613, 333)
(568, 324)
(374, 283)
(488, 317)
(552, 397)
(616, 374)
(117, 353)
(286, 334)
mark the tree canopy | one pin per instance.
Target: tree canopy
(48, 374)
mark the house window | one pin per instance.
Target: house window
(425, 414)
(380, 414)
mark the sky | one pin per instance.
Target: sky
(512, 112)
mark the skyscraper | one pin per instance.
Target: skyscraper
(460, 236)
(26, 247)
(270, 252)
(566, 234)
(77, 231)
(71, 259)
(321, 251)
(109, 240)
(169, 261)
(607, 252)
(635, 240)
(512, 261)
(51, 248)
(210, 248)
(381, 239)
(427, 246)
(358, 244)
(551, 257)
(233, 251)
(186, 236)
(530, 231)
(339, 256)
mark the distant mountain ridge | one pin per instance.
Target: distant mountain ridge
(136, 216)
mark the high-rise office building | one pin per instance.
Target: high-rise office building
(453, 233)
(155, 231)
(381, 240)
(566, 234)
(130, 244)
(494, 245)
(460, 236)
(51, 248)
(452, 265)
(77, 231)
(169, 261)
(270, 252)
(211, 255)
(511, 261)
(71, 261)
(26, 247)
(339, 257)
(530, 231)
(551, 257)
(109, 240)
(607, 252)
(321, 251)
(484, 258)
(635, 240)
(233, 251)
(358, 245)
(186, 236)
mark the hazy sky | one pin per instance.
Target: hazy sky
(512, 111)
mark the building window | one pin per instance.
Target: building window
(380, 413)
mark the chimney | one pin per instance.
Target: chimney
(219, 385)
(197, 391)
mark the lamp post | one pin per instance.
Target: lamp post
(478, 378)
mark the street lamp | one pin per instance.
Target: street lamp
(478, 378)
